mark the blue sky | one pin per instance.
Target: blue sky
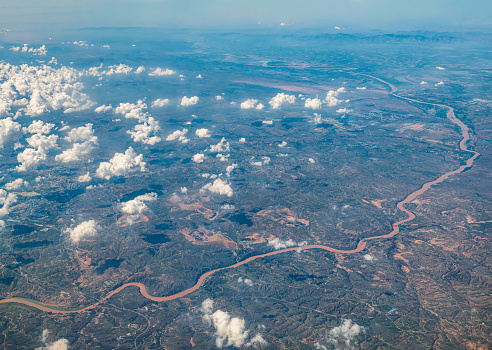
(57, 14)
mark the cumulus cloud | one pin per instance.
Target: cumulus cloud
(79, 149)
(219, 186)
(60, 344)
(121, 164)
(160, 102)
(343, 110)
(199, 158)
(277, 243)
(283, 144)
(149, 126)
(103, 109)
(160, 72)
(139, 70)
(8, 127)
(16, 184)
(178, 135)
(223, 157)
(344, 334)
(368, 257)
(6, 200)
(137, 206)
(40, 89)
(185, 101)
(229, 331)
(246, 281)
(222, 146)
(242, 140)
(218, 98)
(281, 98)
(314, 103)
(264, 160)
(31, 157)
(440, 68)
(202, 133)
(331, 97)
(249, 104)
(84, 178)
(38, 127)
(84, 229)
(439, 84)
(230, 168)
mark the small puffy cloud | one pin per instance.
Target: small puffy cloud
(249, 104)
(198, 158)
(219, 187)
(440, 83)
(16, 184)
(160, 102)
(177, 135)
(246, 281)
(264, 161)
(222, 146)
(142, 132)
(6, 200)
(30, 158)
(331, 97)
(440, 68)
(185, 101)
(260, 106)
(423, 82)
(118, 69)
(281, 98)
(43, 142)
(78, 151)
(283, 144)
(314, 103)
(202, 133)
(223, 157)
(230, 331)
(84, 229)
(345, 333)
(8, 127)
(103, 109)
(242, 140)
(343, 110)
(84, 178)
(277, 243)
(158, 72)
(121, 164)
(311, 160)
(199, 76)
(38, 127)
(139, 70)
(369, 257)
(60, 344)
(218, 98)
(82, 133)
(230, 168)
(267, 122)
(137, 205)
(361, 88)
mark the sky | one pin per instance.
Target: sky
(370, 14)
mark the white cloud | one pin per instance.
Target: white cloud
(311, 160)
(314, 103)
(281, 98)
(345, 333)
(41, 89)
(247, 281)
(40, 51)
(202, 133)
(185, 101)
(103, 109)
(199, 76)
(137, 205)
(283, 144)
(423, 82)
(219, 187)
(260, 106)
(16, 184)
(230, 331)
(60, 344)
(160, 102)
(84, 178)
(121, 164)
(132, 110)
(8, 127)
(440, 68)
(177, 135)
(199, 158)
(343, 110)
(222, 146)
(264, 160)
(277, 243)
(6, 200)
(38, 127)
(118, 69)
(223, 157)
(31, 157)
(439, 84)
(369, 257)
(268, 122)
(160, 72)
(331, 97)
(242, 140)
(42, 142)
(218, 98)
(143, 132)
(248, 104)
(230, 168)
(78, 151)
(139, 70)
(361, 88)
(82, 133)
(84, 229)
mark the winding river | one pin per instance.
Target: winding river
(360, 246)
